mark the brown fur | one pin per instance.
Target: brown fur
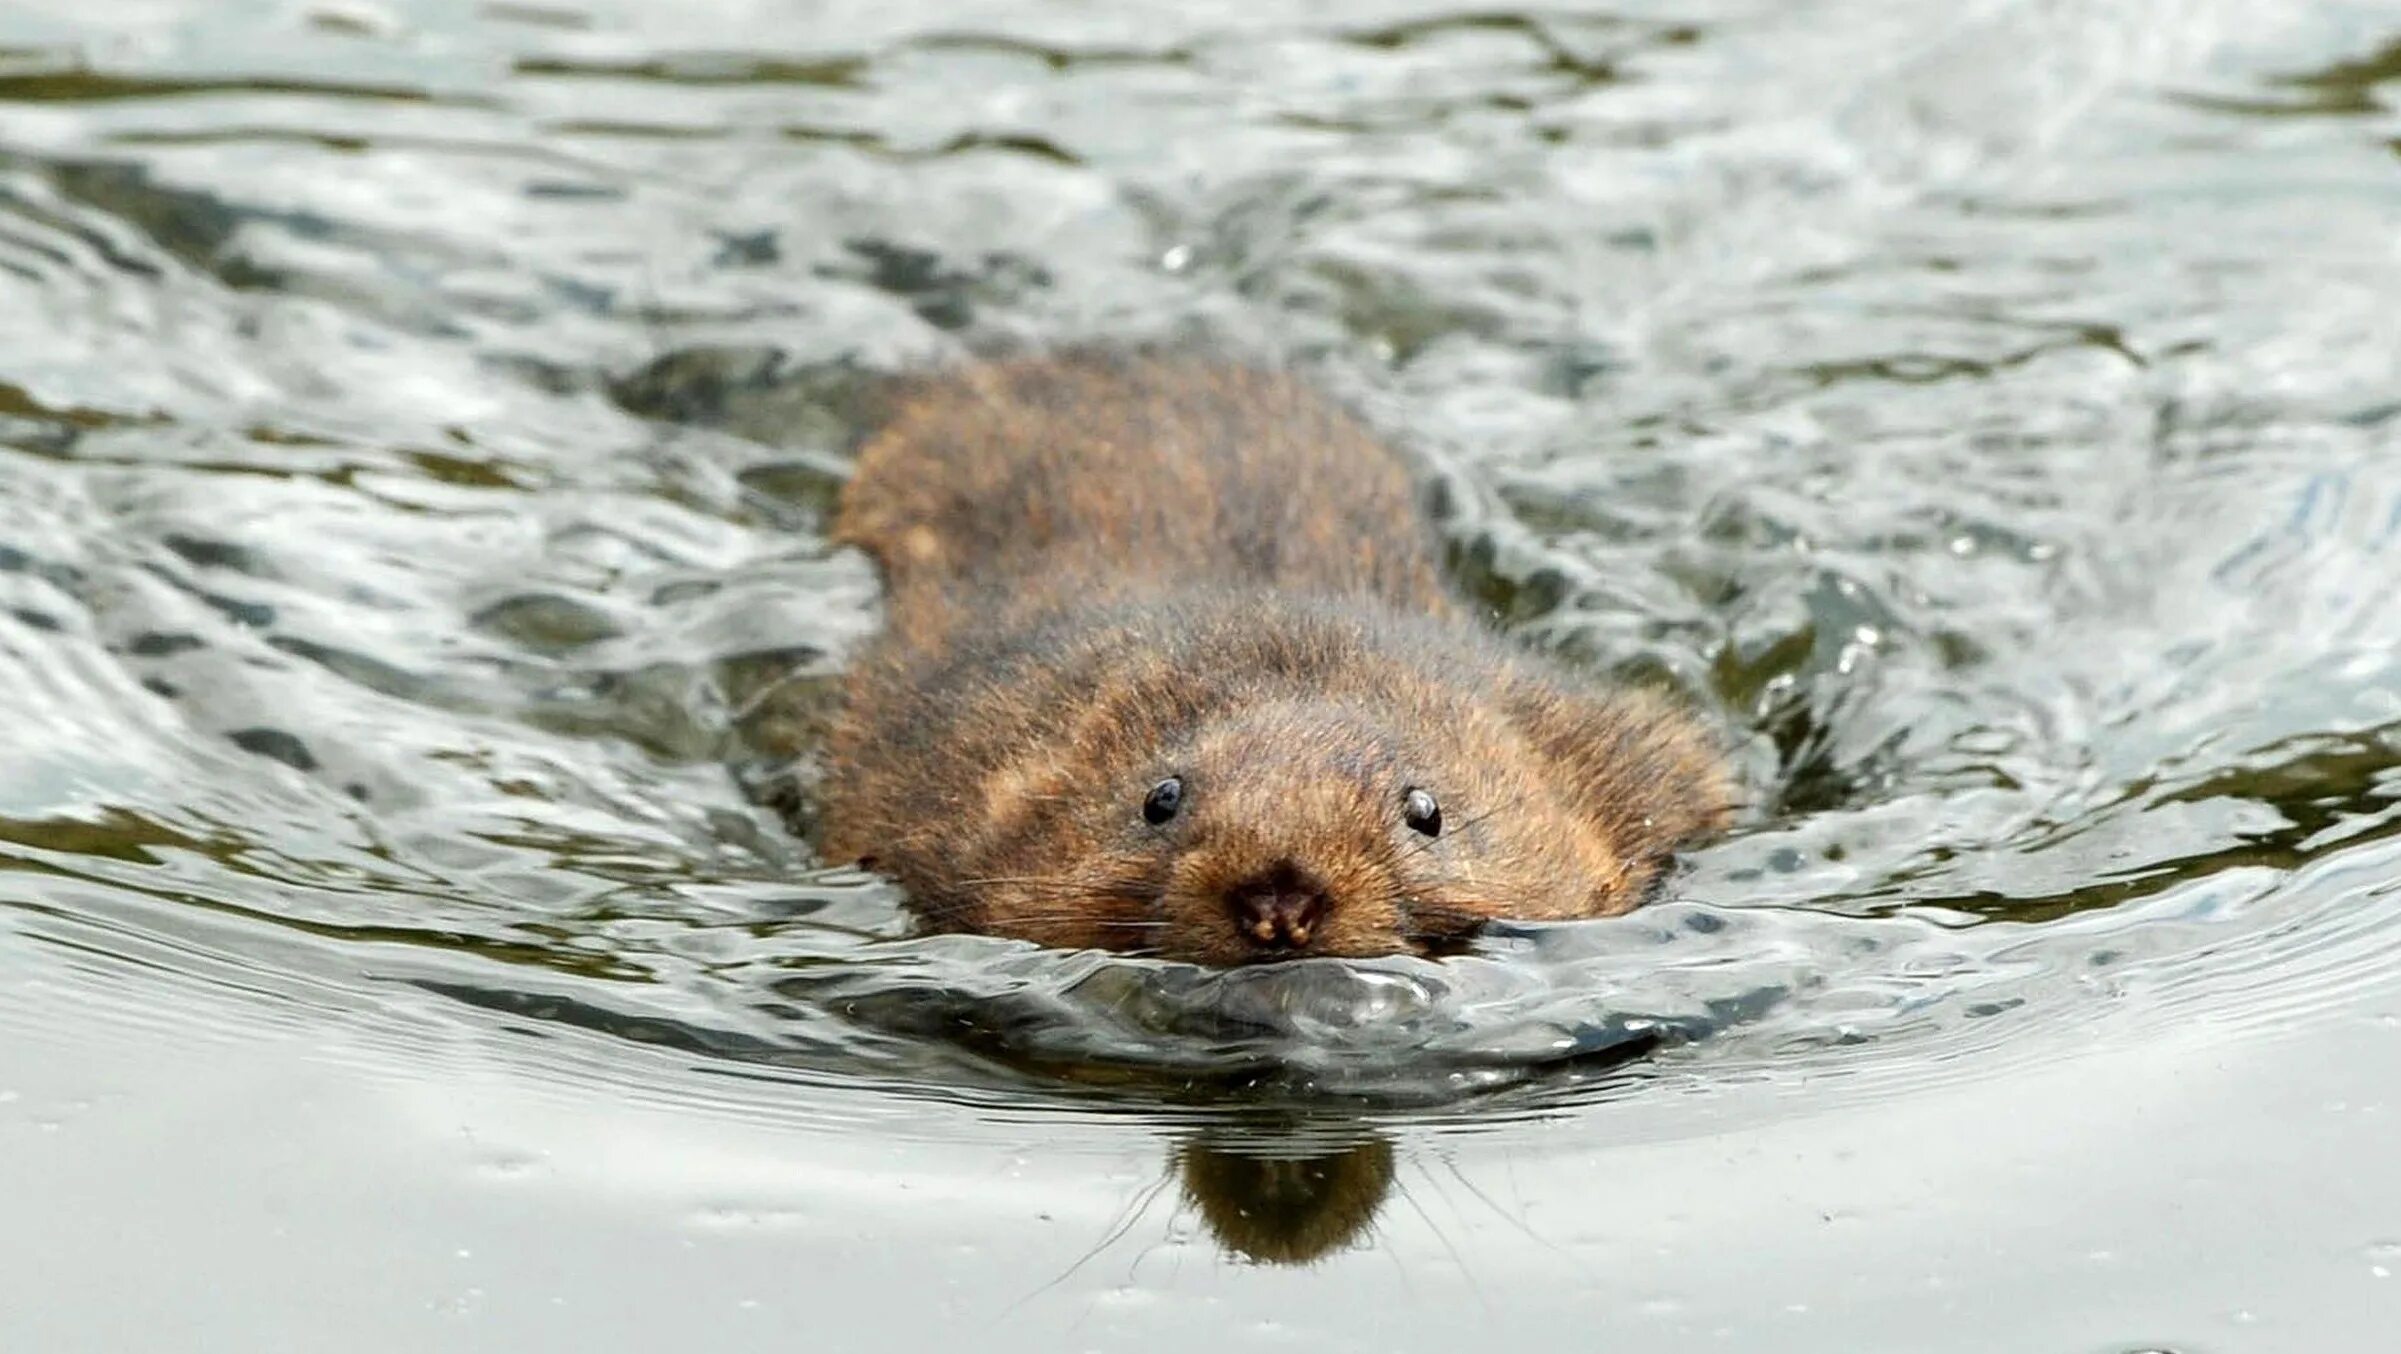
(1105, 571)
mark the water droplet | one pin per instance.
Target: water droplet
(511, 1167)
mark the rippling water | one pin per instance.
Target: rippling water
(417, 422)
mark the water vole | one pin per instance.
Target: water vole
(1170, 666)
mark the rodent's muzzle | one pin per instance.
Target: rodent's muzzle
(1278, 909)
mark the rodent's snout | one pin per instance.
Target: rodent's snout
(1277, 909)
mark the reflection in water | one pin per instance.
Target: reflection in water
(1284, 1203)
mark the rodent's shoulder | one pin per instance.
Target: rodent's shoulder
(1066, 472)
(1212, 643)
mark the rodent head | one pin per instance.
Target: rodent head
(1235, 778)
(1316, 828)
(1323, 826)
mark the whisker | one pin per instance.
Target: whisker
(1431, 842)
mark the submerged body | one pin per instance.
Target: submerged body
(1170, 666)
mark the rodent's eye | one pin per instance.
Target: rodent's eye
(1164, 799)
(1419, 810)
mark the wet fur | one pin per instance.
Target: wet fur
(1107, 570)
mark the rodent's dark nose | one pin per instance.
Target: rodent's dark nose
(1278, 910)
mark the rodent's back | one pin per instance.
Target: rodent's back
(1101, 474)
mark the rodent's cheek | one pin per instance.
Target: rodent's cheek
(1374, 942)
(1441, 919)
(1194, 937)
(1629, 888)
(1096, 900)
(1196, 927)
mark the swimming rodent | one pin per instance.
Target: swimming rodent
(1169, 666)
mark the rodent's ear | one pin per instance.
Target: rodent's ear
(1633, 761)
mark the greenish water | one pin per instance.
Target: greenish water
(417, 421)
